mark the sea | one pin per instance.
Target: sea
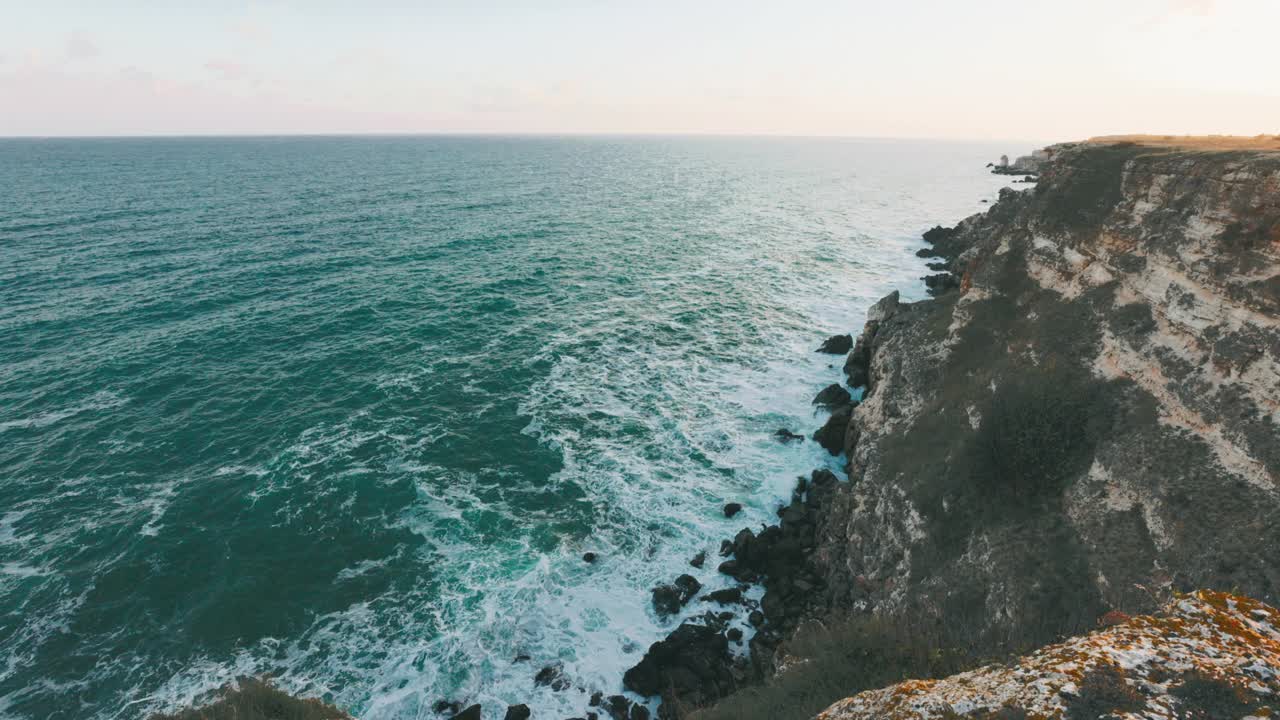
(349, 411)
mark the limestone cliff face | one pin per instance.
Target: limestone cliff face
(1088, 419)
(1207, 655)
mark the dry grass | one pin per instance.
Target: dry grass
(1195, 142)
(254, 699)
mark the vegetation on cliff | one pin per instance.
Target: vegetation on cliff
(1205, 655)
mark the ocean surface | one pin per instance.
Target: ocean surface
(350, 410)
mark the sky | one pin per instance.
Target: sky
(982, 69)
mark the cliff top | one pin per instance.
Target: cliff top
(1207, 654)
(1269, 143)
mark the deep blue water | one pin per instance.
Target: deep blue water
(349, 410)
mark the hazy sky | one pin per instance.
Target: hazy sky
(1001, 69)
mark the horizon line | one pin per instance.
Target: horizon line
(512, 134)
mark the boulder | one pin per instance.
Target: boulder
(699, 559)
(731, 509)
(517, 712)
(471, 713)
(831, 435)
(833, 396)
(692, 667)
(837, 345)
(588, 557)
(668, 599)
(785, 435)
(940, 283)
(727, 596)
(620, 708)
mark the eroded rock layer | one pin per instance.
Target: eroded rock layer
(1088, 419)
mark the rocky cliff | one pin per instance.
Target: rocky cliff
(1090, 415)
(1084, 421)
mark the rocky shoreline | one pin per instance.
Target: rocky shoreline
(1082, 423)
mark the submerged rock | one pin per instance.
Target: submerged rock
(552, 676)
(786, 435)
(447, 707)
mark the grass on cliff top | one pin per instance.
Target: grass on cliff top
(1194, 142)
(834, 660)
(254, 699)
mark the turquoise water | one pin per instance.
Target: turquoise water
(349, 410)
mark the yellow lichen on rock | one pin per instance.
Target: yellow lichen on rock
(1208, 654)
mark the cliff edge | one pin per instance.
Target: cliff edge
(1084, 421)
(1207, 655)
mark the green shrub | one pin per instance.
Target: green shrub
(1035, 432)
(840, 659)
(1204, 697)
(256, 699)
(1104, 692)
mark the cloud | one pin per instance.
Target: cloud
(252, 32)
(1195, 7)
(81, 47)
(231, 70)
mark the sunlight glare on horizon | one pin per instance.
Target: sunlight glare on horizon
(917, 68)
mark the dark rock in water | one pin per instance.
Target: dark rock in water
(729, 567)
(699, 559)
(938, 266)
(596, 698)
(522, 658)
(726, 547)
(668, 599)
(731, 509)
(786, 435)
(756, 618)
(734, 635)
(858, 365)
(450, 707)
(985, 200)
(937, 234)
(517, 712)
(940, 283)
(471, 713)
(588, 557)
(831, 435)
(727, 596)
(837, 345)
(620, 708)
(833, 396)
(692, 667)
(551, 676)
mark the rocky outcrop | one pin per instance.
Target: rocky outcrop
(1026, 164)
(1084, 419)
(1091, 411)
(1207, 655)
